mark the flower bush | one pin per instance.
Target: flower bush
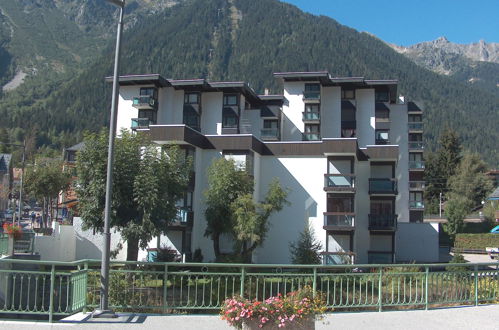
(281, 310)
(12, 230)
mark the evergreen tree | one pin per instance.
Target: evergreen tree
(4, 138)
(305, 251)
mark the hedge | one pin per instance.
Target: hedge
(476, 241)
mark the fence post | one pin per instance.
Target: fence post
(380, 291)
(427, 273)
(314, 283)
(85, 287)
(165, 283)
(243, 276)
(51, 302)
(476, 284)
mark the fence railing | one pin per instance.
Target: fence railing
(50, 288)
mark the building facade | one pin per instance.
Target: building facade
(348, 149)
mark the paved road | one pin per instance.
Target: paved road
(465, 318)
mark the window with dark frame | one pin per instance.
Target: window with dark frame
(191, 98)
(148, 91)
(230, 99)
(229, 118)
(382, 96)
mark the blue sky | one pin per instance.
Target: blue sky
(406, 22)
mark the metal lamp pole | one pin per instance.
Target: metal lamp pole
(104, 310)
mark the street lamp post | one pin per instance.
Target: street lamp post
(22, 178)
(104, 311)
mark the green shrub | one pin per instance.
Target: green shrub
(476, 241)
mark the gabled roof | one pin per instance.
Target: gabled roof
(76, 147)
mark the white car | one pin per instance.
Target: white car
(493, 252)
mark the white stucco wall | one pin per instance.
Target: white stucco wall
(417, 242)
(60, 246)
(331, 112)
(125, 109)
(366, 120)
(211, 116)
(292, 117)
(304, 177)
(362, 209)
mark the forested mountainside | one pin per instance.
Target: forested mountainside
(475, 64)
(248, 40)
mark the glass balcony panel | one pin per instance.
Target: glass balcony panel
(145, 101)
(416, 205)
(416, 145)
(311, 116)
(415, 164)
(339, 219)
(415, 126)
(383, 186)
(140, 123)
(269, 133)
(311, 95)
(339, 181)
(311, 136)
(338, 258)
(416, 185)
(382, 221)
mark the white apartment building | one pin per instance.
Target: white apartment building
(348, 149)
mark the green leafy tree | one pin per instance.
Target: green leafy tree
(306, 250)
(232, 210)
(455, 211)
(147, 183)
(45, 180)
(4, 138)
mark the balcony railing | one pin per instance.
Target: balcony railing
(416, 185)
(339, 220)
(383, 186)
(140, 123)
(382, 141)
(311, 116)
(416, 145)
(416, 164)
(416, 205)
(311, 137)
(338, 258)
(311, 96)
(379, 257)
(269, 134)
(382, 221)
(415, 126)
(144, 102)
(339, 182)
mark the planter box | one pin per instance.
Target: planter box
(305, 324)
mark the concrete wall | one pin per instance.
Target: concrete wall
(60, 246)
(417, 242)
(125, 110)
(331, 112)
(366, 120)
(211, 115)
(292, 119)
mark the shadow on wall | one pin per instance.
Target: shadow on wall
(86, 249)
(287, 225)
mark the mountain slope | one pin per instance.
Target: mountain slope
(475, 64)
(249, 40)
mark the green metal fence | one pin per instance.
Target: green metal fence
(55, 288)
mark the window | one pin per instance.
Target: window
(148, 114)
(229, 118)
(312, 87)
(416, 196)
(148, 91)
(415, 137)
(230, 100)
(415, 157)
(312, 112)
(243, 160)
(312, 108)
(271, 124)
(381, 136)
(191, 118)
(312, 132)
(381, 207)
(348, 94)
(382, 96)
(191, 98)
(415, 118)
(340, 204)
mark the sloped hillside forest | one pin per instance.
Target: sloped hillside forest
(219, 40)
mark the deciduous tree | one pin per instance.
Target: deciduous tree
(147, 183)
